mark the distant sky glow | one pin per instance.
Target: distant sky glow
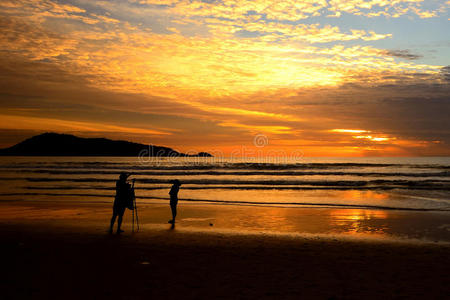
(326, 77)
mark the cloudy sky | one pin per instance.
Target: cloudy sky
(325, 77)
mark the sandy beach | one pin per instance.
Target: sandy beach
(62, 250)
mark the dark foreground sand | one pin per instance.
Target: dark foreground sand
(62, 251)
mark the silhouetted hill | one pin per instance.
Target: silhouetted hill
(54, 144)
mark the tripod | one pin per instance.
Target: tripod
(135, 212)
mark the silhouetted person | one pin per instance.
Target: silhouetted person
(120, 202)
(174, 199)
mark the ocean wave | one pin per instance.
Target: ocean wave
(213, 166)
(242, 173)
(240, 182)
(232, 202)
(379, 183)
(254, 187)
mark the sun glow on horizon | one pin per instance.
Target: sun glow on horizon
(349, 130)
(372, 138)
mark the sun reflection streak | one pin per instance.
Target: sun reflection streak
(356, 221)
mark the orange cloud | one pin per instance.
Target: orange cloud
(259, 128)
(242, 66)
(47, 124)
(372, 138)
(126, 58)
(348, 130)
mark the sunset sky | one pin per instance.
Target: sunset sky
(325, 77)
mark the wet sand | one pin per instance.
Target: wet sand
(62, 250)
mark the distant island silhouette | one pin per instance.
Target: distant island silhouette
(55, 144)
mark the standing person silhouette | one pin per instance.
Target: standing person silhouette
(174, 199)
(120, 202)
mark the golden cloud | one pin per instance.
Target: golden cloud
(291, 10)
(50, 124)
(241, 68)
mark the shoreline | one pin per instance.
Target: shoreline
(348, 223)
(328, 223)
(62, 250)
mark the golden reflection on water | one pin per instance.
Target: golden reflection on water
(355, 194)
(349, 221)
(356, 221)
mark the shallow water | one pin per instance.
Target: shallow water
(375, 197)
(382, 183)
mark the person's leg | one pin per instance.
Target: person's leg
(119, 223)
(113, 220)
(174, 211)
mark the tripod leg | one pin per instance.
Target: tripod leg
(132, 221)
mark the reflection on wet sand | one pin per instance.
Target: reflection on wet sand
(357, 221)
(351, 222)
(305, 220)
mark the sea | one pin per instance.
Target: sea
(415, 184)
